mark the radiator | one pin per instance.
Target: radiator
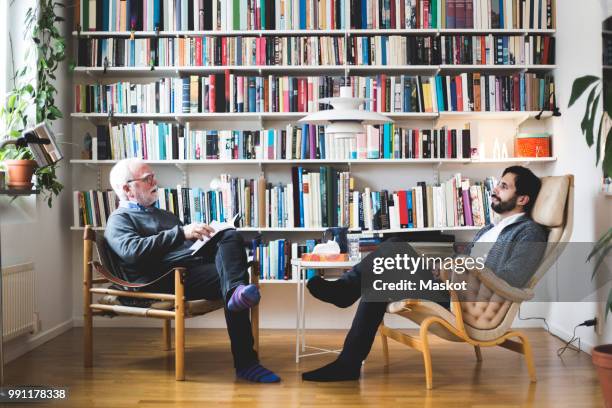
(18, 300)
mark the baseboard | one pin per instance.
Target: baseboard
(21, 345)
(564, 335)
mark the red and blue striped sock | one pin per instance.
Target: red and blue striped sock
(244, 297)
(257, 373)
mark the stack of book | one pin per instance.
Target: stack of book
(274, 258)
(200, 51)
(394, 50)
(166, 141)
(454, 203)
(93, 207)
(232, 93)
(497, 50)
(314, 199)
(216, 15)
(478, 14)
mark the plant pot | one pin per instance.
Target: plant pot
(602, 359)
(20, 173)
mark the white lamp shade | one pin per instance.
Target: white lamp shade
(345, 119)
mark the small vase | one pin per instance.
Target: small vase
(20, 173)
(602, 359)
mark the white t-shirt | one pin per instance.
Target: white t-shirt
(486, 241)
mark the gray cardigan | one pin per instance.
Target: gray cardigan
(516, 254)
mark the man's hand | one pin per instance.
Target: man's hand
(197, 231)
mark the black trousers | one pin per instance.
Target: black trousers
(369, 315)
(220, 267)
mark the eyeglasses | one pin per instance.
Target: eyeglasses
(146, 179)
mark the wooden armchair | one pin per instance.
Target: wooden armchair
(166, 306)
(487, 321)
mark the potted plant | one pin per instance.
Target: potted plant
(602, 354)
(18, 161)
(49, 47)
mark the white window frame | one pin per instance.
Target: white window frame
(4, 49)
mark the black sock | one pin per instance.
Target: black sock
(338, 292)
(335, 371)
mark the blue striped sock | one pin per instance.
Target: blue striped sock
(257, 373)
(244, 297)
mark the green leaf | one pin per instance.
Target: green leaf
(55, 111)
(11, 102)
(591, 122)
(607, 159)
(598, 141)
(609, 304)
(580, 86)
(587, 111)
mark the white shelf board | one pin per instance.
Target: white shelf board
(393, 31)
(510, 160)
(277, 282)
(177, 71)
(213, 162)
(199, 33)
(294, 116)
(532, 67)
(309, 33)
(508, 115)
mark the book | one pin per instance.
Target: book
(218, 227)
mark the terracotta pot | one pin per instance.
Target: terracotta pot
(20, 173)
(602, 359)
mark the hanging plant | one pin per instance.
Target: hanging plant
(41, 24)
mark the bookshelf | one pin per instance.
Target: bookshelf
(376, 173)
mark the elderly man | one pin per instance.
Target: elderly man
(512, 254)
(148, 242)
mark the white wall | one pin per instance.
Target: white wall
(43, 240)
(578, 54)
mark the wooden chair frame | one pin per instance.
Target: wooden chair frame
(179, 314)
(421, 342)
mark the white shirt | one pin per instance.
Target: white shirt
(492, 234)
(486, 241)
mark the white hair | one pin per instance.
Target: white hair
(120, 174)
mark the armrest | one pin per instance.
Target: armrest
(501, 287)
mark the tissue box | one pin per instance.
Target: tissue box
(532, 145)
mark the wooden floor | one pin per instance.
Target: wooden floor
(130, 369)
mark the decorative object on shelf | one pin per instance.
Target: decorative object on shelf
(532, 145)
(504, 151)
(345, 120)
(555, 109)
(606, 187)
(339, 236)
(496, 150)
(597, 86)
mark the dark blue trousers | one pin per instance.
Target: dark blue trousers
(219, 268)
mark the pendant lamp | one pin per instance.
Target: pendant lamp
(345, 120)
